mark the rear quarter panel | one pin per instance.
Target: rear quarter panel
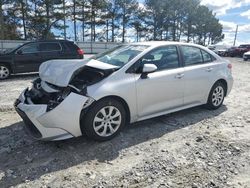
(221, 71)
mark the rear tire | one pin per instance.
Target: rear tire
(4, 72)
(104, 120)
(216, 96)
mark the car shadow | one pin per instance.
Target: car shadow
(24, 158)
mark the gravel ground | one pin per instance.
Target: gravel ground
(191, 148)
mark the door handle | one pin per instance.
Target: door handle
(179, 76)
(209, 69)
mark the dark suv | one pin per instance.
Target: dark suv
(29, 56)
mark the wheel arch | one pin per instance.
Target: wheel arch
(123, 102)
(120, 99)
(224, 82)
(85, 111)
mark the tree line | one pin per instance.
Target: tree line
(109, 20)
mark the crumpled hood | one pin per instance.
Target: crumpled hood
(60, 72)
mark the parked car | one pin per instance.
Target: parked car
(211, 47)
(246, 56)
(230, 51)
(29, 56)
(129, 83)
(221, 52)
(239, 51)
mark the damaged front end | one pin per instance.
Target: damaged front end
(52, 107)
(43, 92)
(51, 95)
(50, 112)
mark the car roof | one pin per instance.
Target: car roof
(154, 44)
(162, 43)
(245, 45)
(52, 40)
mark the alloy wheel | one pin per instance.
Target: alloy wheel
(218, 96)
(4, 72)
(107, 121)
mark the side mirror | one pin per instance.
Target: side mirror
(148, 68)
(19, 52)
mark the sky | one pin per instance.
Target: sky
(232, 13)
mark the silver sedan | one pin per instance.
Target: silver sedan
(129, 83)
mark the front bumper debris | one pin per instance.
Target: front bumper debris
(60, 123)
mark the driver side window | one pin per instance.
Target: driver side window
(163, 58)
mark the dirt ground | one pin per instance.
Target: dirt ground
(192, 148)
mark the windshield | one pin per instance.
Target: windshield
(120, 55)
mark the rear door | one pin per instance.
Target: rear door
(27, 58)
(50, 50)
(198, 73)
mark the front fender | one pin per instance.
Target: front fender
(122, 86)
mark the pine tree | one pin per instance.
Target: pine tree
(9, 23)
(128, 8)
(113, 9)
(47, 16)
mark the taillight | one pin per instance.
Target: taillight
(80, 52)
(230, 66)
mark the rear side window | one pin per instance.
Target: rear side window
(191, 55)
(52, 46)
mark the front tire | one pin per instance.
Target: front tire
(216, 96)
(104, 120)
(4, 72)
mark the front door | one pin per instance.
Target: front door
(163, 89)
(27, 58)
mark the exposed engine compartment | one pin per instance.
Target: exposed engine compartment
(38, 95)
(45, 93)
(87, 76)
